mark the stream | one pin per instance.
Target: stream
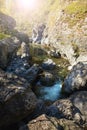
(49, 93)
(46, 93)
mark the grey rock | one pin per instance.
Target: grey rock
(25, 52)
(7, 23)
(23, 37)
(77, 79)
(32, 73)
(64, 108)
(44, 122)
(16, 99)
(7, 48)
(79, 99)
(38, 33)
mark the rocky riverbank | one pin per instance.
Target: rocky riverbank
(28, 68)
(20, 105)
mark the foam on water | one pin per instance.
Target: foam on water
(51, 93)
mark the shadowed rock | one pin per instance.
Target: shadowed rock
(44, 122)
(77, 79)
(7, 48)
(16, 99)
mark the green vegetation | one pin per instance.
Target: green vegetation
(2, 36)
(61, 68)
(77, 7)
(77, 11)
(39, 54)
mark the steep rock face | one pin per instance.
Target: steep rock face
(7, 48)
(77, 79)
(16, 98)
(7, 23)
(66, 30)
(38, 33)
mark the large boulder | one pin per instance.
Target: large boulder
(7, 47)
(79, 99)
(32, 73)
(64, 108)
(7, 23)
(22, 68)
(23, 37)
(45, 122)
(16, 98)
(77, 79)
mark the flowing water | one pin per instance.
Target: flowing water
(45, 93)
(51, 93)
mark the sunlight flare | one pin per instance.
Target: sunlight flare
(28, 4)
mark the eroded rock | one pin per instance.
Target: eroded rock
(64, 108)
(44, 122)
(79, 99)
(77, 79)
(7, 48)
(16, 98)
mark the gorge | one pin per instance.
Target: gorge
(43, 65)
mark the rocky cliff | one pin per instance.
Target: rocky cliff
(66, 29)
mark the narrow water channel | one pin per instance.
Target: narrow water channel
(51, 93)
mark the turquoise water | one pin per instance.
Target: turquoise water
(51, 93)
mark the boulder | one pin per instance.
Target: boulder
(7, 48)
(17, 66)
(45, 122)
(77, 79)
(64, 108)
(32, 73)
(47, 79)
(79, 99)
(7, 23)
(23, 37)
(16, 99)
(21, 62)
(48, 64)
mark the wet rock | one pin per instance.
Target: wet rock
(48, 64)
(77, 79)
(47, 79)
(64, 108)
(7, 48)
(16, 99)
(79, 99)
(44, 122)
(32, 74)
